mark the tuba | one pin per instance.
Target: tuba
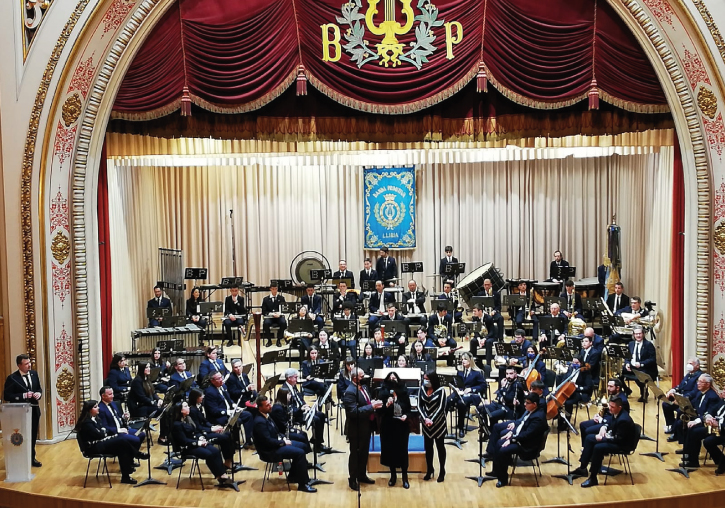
(440, 331)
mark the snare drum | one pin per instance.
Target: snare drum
(472, 283)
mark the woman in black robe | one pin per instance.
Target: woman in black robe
(394, 428)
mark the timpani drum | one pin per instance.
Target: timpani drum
(472, 284)
(543, 289)
(589, 288)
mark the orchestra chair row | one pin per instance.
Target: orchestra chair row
(532, 457)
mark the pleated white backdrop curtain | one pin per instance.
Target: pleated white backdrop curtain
(509, 206)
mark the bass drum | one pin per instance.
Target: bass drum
(472, 283)
(303, 264)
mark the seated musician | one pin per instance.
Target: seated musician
(519, 314)
(301, 340)
(597, 340)
(235, 315)
(368, 352)
(239, 386)
(552, 337)
(378, 344)
(617, 300)
(193, 309)
(220, 407)
(539, 366)
(507, 404)
(282, 415)
(273, 446)
(417, 351)
(348, 341)
(523, 436)
(300, 411)
(479, 338)
(686, 388)
(212, 433)
(573, 301)
(448, 295)
(272, 315)
(448, 259)
(587, 364)
(212, 364)
(523, 344)
(342, 296)
(119, 377)
(180, 374)
(474, 388)
(328, 349)
(439, 332)
(187, 437)
(399, 339)
(631, 315)
(116, 422)
(314, 306)
(379, 300)
(343, 273)
(368, 274)
(614, 389)
(501, 427)
(162, 382)
(159, 301)
(643, 358)
(315, 385)
(414, 309)
(615, 437)
(143, 402)
(558, 263)
(403, 362)
(704, 403)
(492, 316)
(713, 443)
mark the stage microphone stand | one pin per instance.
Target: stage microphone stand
(569, 476)
(659, 396)
(150, 480)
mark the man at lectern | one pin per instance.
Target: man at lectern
(23, 385)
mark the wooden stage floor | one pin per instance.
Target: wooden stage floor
(59, 483)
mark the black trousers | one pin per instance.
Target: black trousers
(594, 452)
(296, 453)
(212, 456)
(359, 451)
(35, 427)
(712, 445)
(503, 458)
(440, 444)
(120, 447)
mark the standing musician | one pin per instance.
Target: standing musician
(377, 304)
(508, 402)
(524, 436)
(220, 407)
(273, 445)
(474, 385)
(439, 331)
(343, 273)
(313, 303)
(23, 386)
(235, 314)
(159, 301)
(448, 259)
(551, 337)
(631, 315)
(617, 300)
(644, 358)
(448, 295)
(300, 410)
(359, 422)
(282, 415)
(704, 402)
(492, 315)
(604, 417)
(327, 348)
(617, 436)
(212, 364)
(573, 301)
(386, 267)
(367, 273)
(686, 388)
(587, 363)
(316, 385)
(343, 296)
(478, 339)
(400, 339)
(415, 305)
(272, 315)
(558, 263)
(210, 432)
(432, 407)
(193, 309)
(238, 384)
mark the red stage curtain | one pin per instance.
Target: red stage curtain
(678, 263)
(238, 56)
(104, 260)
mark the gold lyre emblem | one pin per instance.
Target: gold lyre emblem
(389, 49)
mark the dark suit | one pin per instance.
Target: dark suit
(280, 415)
(185, 436)
(207, 368)
(576, 303)
(272, 448)
(624, 435)
(373, 276)
(409, 308)
(223, 439)
(648, 362)
(218, 413)
(592, 427)
(315, 307)
(140, 403)
(120, 381)
(497, 318)
(332, 350)
(474, 380)
(554, 268)
(154, 303)
(347, 274)
(378, 302)
(387, 269)
(503, 407)
(339, 300)
(396, 341)
(435, 320)
(358, 426)
(236, 308)
(15, 387)
(192, 309)
(527, 434)
(687, 388)
(105, 416)
(297, 400)
(93, 439)
(239, 389)
(442, 268)
(271, 305)
(176, 379)
(704, 403)
(623, 302)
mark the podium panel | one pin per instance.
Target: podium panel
(17, 441)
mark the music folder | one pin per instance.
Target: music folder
(344, 325)
(483, 301)
(548, 300)
(155, 312)
(323, 370)
(367, 285)
(269, 357)
(393, 326)
(369, 365)
(507, 349)
(553, 323)
(468, 327)
(448, 303)
(429, 366)
(210, 307)
(186, 384)
(246, 369)
(301, 326)
(432, 351)
(618, 350)
(231, 282)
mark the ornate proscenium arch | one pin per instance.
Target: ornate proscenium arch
(82, 106)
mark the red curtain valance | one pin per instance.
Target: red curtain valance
(233, 57)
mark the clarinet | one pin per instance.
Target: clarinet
(290, 414)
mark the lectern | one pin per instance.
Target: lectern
(17, 441)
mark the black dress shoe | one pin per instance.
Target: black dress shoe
(591, 482)
(278, 344)
(720, 469)
(392, 481)
(128, 480)
(671, 439)
(687, 464)
(461, 433)
(230, 344)
(500, 484)
(268, 343)
(366, 479)
(142, 456)
(681, 451)
(306, 488)
(353, 484)
(429, 474)
(36, 463)
(580, 471)
(406, 485)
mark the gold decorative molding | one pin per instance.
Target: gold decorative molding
(711, 26)
(718, 373)
(707, 102)
(719, 238)
(65, 384)
(60, 247)
(72, 109)
(34, 12)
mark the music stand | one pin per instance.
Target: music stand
(290, 307)
(158, 312)
(573, 342)
(370, 365)
(367, 285)
(147, 428)
(618, 350)
(463, 329)
(482, 430)
(301, 326)
(231, 282)
(426, 366)
(432, 351)
(325, 371)
(318, 275)
(186, 385)
(514, 300)
(411, 267)
(660, 396)
(484, 301)
(449, 304)
(593, 304)
(272, 357)
(343, 326)
(552, 324)
(645, 379)
(566, 272)
(448, 380)
(686, 408)
(508, 349)
(211, 307)
(393, 326)
(569, 476)
(548, 300)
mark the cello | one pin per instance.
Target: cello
(561, 394)
(530, 374)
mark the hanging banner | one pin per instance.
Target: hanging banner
(390, 208)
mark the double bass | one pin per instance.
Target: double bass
(561, 394)
(530, 374)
